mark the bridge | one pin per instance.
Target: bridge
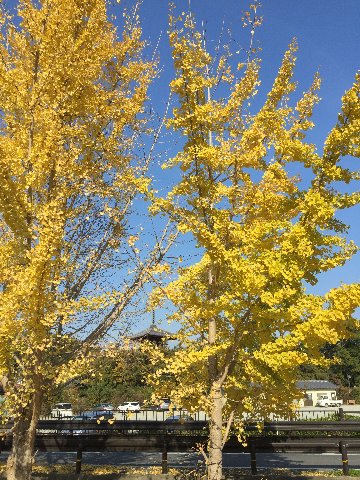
(125, 435)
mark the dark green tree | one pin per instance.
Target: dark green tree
(344, 368)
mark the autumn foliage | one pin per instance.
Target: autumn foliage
(259, 200)
(72, 97)
(248, 319)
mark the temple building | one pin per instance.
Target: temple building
(153, 334)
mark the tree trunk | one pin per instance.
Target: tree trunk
(216, 435)
(214, 461)
(20, 462)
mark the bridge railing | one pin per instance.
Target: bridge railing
(314, 414)
(130, 435)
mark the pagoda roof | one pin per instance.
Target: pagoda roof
(152, 333)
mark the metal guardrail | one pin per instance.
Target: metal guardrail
(140, 415)
(314, 414)
(159, 428)
(136, 435)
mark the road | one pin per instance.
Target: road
(295, 461)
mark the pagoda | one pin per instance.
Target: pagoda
(152, 334)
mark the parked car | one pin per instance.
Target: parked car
(104, 406)
(129, 407)
(106, 414)
(62, 410)
(165, 404)
(95, 415)
(88, 415)
(179, 419)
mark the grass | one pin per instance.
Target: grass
(47, 471)
(234, 473)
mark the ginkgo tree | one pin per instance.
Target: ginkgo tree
(248, 320)
(72, 105)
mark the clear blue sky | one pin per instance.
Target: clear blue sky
(328, 33)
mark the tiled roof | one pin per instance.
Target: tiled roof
(152, 331)
(316, 385)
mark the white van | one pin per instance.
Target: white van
(62, 410)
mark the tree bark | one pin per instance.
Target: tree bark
(214, 463)
(216, 435)
(20, 462)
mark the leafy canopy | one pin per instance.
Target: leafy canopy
(71, 100)
(265, 235)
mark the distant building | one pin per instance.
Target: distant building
(152, 334)
(313, 389)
